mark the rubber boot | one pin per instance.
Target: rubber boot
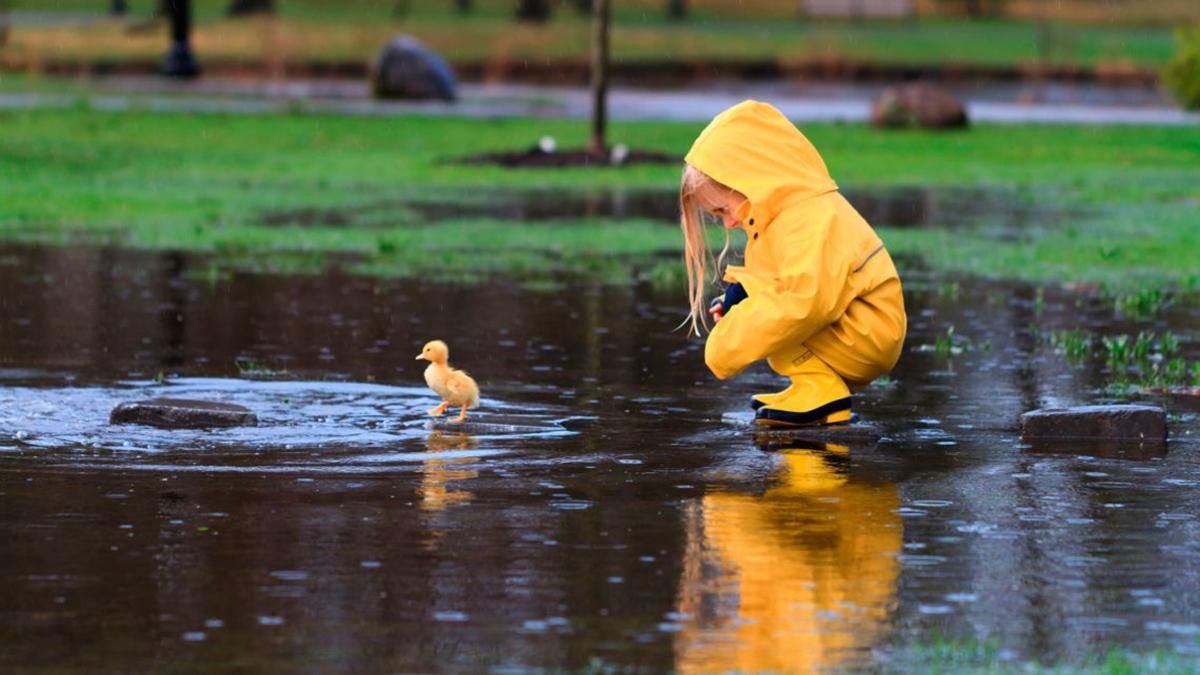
(759, 400)
(818, 395)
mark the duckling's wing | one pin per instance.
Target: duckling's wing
(462, 387)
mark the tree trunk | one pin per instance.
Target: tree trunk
(244, 7)
(533, 10)
(3, 22)
(179, 61)
(600, 14)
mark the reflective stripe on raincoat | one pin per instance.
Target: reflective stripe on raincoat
(809, 255)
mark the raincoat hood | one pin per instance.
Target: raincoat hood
(755, 150)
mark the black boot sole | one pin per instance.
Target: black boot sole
(814, 417)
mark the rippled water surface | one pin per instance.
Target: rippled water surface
(607, 507)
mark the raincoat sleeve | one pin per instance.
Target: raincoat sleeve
(785, 311)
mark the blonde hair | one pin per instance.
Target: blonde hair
(696, 256)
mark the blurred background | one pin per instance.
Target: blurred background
(653, 43)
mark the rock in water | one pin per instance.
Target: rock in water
(175, 413)
(1136, 423)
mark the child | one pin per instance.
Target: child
(822, 301)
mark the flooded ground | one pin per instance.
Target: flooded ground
(605, 509)
(1008, 213)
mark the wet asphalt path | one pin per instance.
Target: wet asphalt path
(806, 102)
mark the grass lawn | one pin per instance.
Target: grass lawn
(279, 188)
(956, 657)
(353, 32)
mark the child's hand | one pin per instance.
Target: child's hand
(734, 293)
(716, 309)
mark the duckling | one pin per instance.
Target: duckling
(454, 386)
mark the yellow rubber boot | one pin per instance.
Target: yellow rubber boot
(759, 400)
(818, 396)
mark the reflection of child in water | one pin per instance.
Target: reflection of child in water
(818, 296)
(798, 579)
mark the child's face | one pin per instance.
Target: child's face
(722, 203)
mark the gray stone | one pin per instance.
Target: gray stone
(492, 424)
(175, 413)
(918, 105)
(1130, 423)
(408, 69)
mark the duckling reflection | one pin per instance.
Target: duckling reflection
(437, 472)
(795, 579)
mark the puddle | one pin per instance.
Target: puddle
(509, 205)
(302, 426)
(1005, 212)
(607, 509)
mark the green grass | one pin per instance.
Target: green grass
(730, 31)
(973, 657)
(1125, 196)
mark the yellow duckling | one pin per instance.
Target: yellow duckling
(454, 386)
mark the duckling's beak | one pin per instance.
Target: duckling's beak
(419, 357)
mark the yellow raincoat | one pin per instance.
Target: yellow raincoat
(817, 275)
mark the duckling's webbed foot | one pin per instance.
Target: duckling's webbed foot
(461, 415)
(437, 410)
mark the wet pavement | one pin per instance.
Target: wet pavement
(802, 101)
(607, 508)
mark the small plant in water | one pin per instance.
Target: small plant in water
(885, 381)
(948, 344)
(1141, 303)
(249, 368)
(1143, 347)
(1074, 344)
(1176, 371)
(1147, 361)
(1171, 374)
(1168, 344)
(1117, 347)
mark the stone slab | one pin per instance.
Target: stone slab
(1126, 423)
(471, 427)
(177, 413)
